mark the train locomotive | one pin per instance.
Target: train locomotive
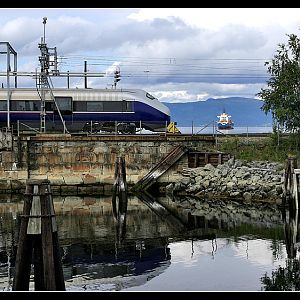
(96, 110)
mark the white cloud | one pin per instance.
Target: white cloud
(179, 96)
(111, 69)
(180, 48)
(191, 92)
(258, 252)
(216, 18)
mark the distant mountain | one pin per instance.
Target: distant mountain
(244, 112)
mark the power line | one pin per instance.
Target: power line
(162, 58)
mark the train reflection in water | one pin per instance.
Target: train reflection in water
(93, 252)
(93, 256)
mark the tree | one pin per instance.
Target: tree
(284, 278)
(282, 96)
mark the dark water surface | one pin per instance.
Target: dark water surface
(182, 244)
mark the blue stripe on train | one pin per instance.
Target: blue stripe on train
(141, 112)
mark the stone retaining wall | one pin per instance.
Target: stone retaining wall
(86, 165)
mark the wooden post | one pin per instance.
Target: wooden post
(119, 198)
(291, 196)
(196, 156)
(24, 251)
(291, 184)
(220, 159)
(290, 231)
(206, 158)
(38, 238)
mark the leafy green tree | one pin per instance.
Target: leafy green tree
(282, 95)
(284, 278)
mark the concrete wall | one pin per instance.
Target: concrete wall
(86, 165)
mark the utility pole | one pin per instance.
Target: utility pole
(85, 77)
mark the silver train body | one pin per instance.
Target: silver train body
(86, 109)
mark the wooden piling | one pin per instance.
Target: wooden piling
(291, 198)
(24, 251)
(120, 198)
(291, 184)
(38, 239)
(290, 231)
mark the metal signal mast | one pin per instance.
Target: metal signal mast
(43, 83)
(43, 80)
(47, 59)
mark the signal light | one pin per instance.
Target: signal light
(117, 76)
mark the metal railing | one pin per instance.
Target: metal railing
(27, 126)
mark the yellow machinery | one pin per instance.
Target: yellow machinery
(172, 128)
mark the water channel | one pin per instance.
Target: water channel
(164, 244)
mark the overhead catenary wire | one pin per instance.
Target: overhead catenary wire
(165, 68)
(185, 68)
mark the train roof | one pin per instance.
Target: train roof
(77, 94)
(74, 90)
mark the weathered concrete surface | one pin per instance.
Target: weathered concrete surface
(79, 164)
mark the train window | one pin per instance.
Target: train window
(94, 106)
(49, 106)
(126, 106)
(64, 104)
(17, 105)
(36, 105)
(28, 105)
(79, 106)
(113, 106)
(32, 105)
(150, 96)
(3, 105)
(25, 105)
(103, 106)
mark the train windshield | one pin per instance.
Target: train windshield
(150, 96)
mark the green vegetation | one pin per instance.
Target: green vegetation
(281, 98)
(276, 148)
(282, 95)
(284, 278)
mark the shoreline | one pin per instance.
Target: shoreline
(255, 181)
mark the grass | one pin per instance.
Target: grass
(265, 148)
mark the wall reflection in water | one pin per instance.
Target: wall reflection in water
(106, 246)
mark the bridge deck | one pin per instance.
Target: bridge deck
(135, 137)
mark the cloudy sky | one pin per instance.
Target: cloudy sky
(177, 54)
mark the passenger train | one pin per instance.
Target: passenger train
(126, 110)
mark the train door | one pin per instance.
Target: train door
(53, 119)
(65, 105)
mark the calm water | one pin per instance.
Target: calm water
(235, 130)
(212, 130)
(179, 244)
